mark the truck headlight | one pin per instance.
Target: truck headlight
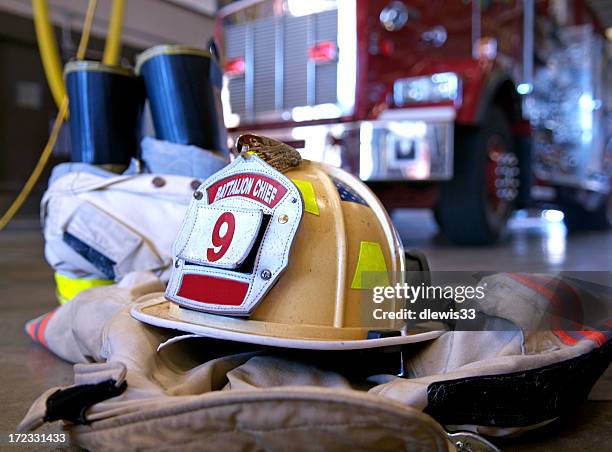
(440, 87)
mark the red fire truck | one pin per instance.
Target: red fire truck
(433, 103)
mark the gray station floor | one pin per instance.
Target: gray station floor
(532, 244)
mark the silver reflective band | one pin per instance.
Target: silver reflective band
(440, 87)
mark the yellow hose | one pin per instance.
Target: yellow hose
(87, 23)
(48, 50)
(112, 48)
(59, 119)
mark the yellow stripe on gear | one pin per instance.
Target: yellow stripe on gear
(371, 262)
(68, 288)
(308, 193)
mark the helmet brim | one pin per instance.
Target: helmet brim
(157, 312)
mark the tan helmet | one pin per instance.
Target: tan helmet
(282, 258)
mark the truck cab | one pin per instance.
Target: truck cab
(423, 100)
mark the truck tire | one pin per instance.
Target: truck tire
(577, 218)
(474, 206)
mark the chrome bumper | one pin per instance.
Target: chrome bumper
(406, 144)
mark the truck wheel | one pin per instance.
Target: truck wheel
(475, 205)
(577, 218)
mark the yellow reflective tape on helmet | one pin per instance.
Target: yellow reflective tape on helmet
(68, 287)
(308, 193)
(371, 261)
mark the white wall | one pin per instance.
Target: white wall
(146, 22)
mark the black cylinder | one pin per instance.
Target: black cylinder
(183, 85)
(105, 104)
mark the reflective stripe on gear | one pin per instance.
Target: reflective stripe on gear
(68, 288)
(308, 195)
(371, 261)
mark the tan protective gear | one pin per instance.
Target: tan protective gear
(203, 394)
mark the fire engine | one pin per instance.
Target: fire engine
(467, 107)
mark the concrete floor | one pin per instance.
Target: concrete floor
(531, 245)
(26, 291)
(26, 288)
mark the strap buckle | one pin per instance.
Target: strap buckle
(70, 404)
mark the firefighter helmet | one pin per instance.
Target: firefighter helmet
(282, 258)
